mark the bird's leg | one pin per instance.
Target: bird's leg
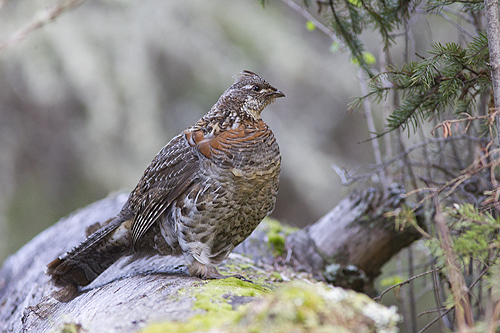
(210, 272)
(241, 277)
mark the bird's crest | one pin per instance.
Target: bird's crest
(246, 76)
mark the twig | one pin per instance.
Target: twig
(371, 127)
(463, 312)
(2, 3)
(458, 26)
(345, 176)
(351, 178)
(470, 287)
(387, 107)
(401, 297)
(435, 282)
(430, 311)
(409, 43)
(435, 320)
(411, 292)
(459, 14)
(446, 125)
(39, 20)
(317, 23)
(476, 167)
(378, 298)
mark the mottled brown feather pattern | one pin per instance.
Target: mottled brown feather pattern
(201, 196)
(168, 175)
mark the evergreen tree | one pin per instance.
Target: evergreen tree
(452, 174)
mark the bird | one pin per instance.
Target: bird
(202, 195)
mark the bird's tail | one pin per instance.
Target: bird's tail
(84, 263)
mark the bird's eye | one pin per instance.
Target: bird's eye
(256, 88)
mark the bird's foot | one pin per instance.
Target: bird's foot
(241, 277)
(210, 272)
(220, 276)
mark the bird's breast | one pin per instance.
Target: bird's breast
(247, 151)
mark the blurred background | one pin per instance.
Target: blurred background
(88, 100)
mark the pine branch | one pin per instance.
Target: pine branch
(451, 76)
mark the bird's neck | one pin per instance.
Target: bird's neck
(223, 117)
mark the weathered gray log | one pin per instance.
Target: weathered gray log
(131, 294)
(357, 238)
(357, 232)
(25, 302)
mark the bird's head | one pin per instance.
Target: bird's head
(252, 93)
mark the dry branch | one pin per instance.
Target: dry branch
(39, 20)
(360, 232)
(463, 312)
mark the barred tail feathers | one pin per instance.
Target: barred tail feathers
(94, 255)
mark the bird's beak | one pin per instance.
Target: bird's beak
(277, 93)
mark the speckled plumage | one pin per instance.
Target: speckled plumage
(202, 195)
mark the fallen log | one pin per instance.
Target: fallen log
(132, 295)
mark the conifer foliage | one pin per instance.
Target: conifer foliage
(452, 174)
(452, 76)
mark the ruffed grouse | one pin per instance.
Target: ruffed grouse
(201, 196)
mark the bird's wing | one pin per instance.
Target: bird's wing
(168, 176)
(176, 166)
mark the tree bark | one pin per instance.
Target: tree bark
(133, 293)
(493, 27)
(357, 236)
